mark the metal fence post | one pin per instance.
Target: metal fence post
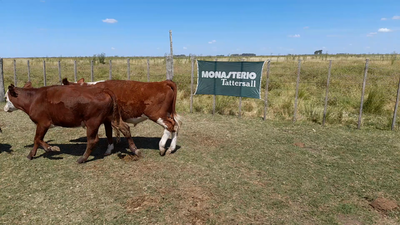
(2, 92)
(396, 106)
(266, 91)
(326, 94)
(297, 91)
(362, 93)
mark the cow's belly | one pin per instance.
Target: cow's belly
(137, 120)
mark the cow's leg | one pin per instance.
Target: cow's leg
(169, 131)
(92, 139)
(132, 146)
(108, 128)
(38, 140)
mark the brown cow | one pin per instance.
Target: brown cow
(66, 106)
(140, 101)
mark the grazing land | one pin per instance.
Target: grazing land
(226, 171)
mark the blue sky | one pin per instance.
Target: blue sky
(40, 28)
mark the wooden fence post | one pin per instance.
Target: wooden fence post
(297, 91)
(2, 92)
(15, 73)
(129, 68)
(191, 85)
(169, 67)
(172, 57)
(91, 71)
(266, 91)
(110, 76)
(362, 93)
(148, 70)
(75, 71)
(44, 73)
(326, 94)
(59, 71)
(396, 106)
(29, 70)
(214, 98)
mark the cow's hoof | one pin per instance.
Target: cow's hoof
(29, 157)
(170, 151)
(162, 151)
(54, 149)
(81, 160)
(138, 153)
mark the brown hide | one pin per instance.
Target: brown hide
(67, 106)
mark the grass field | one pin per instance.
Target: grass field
(225, 171)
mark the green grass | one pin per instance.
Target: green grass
(226, 171)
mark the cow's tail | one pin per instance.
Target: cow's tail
(177, 118)
(116, 122)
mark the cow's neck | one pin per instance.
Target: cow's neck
(24, 99)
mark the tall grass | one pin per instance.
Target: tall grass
(344, 91)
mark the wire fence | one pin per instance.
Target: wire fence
(314, 87)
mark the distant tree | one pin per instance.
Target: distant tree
(318, 52)
(102, 58)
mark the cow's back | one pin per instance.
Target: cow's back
(141, 98)
(69, 106)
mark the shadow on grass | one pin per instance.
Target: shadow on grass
(79, 147)
(5, 148)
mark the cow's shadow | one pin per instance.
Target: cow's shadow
(79, 147)
(5, 148)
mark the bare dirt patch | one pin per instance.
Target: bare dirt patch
(384, 204)
(128, 157)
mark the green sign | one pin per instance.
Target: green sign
(241, 79)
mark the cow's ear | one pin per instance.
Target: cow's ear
(11, 90)
(28, 85)
(81, 81)
(65, 81)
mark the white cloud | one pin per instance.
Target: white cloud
(112, 48)
(294, 36)
(383, 19)
(384, 30)
(212, 42)
(396, 17)
(371, 34)
(184, 48)
(110, 21)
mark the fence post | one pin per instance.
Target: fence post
(169, 67)
(297, 91)
(15, 73)
(191, 85)
(91, 71)
(128, 69)
(2, 92)
(59, 71)
(396, 106)
(44, 73)
(214, 100)
(172, 57)
(266, 91)
(110, 77)
(29, 70)
(362, 93)
(75, 71)
(148, 70)
(326, 94)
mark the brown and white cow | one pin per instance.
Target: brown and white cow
(140, 101)
(66, 106)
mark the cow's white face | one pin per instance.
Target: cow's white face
(9, 107)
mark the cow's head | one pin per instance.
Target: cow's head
(79, 82)
(9, 107)
(11, 95)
